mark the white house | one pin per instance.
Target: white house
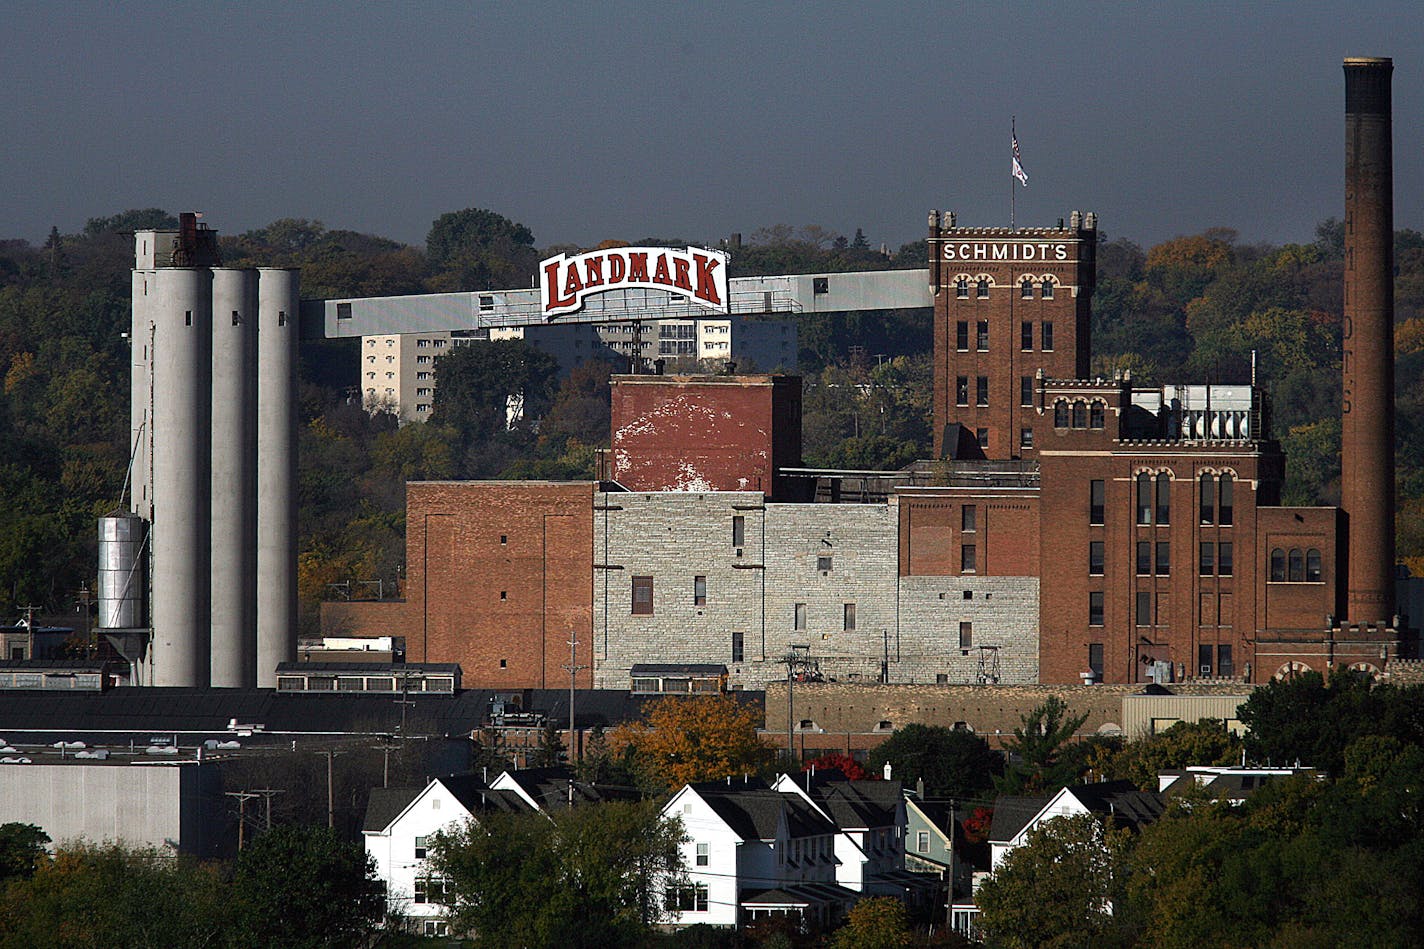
(870, 820)
(750, 851)
(400, 823)
(1016, 817)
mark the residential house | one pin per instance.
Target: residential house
(1234, 784)
(1016, 817)
(751, 851)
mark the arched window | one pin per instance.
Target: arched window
(1312, 565)
(1096, 415)
(1278, 565)
(1296, 573)
(1208, 498)
(1144, 498)
(1026, 289)
(1164, 498)
(1228, 492)
(961, 288)
(1048, 289)
(983, 289)
(1060, 414)
(1080, 415)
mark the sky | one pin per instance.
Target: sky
(628, 120)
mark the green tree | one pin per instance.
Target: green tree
(476, 249)
(875, 923)
(1205, 742)
(1039, 758)
(586, 876)
(22, 848)
(475, 386)
(953, 762)
(301, 886)
(1057, 889)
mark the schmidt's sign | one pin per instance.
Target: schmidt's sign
(695, 273)
(1004, 250)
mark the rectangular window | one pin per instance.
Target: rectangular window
(966, 634)
(1206, 605)
(703, 857)
(981, 391)
(968, 559)
(1223, 559)
(699, 591)
(1025, 438)
(343, 311)
(823, 564)
(968, 518)
(738, 645)
(1164, 558)
(1026, 390)
(922, 841)
(1095, 608)
(1227, 509)
(799, 617)
(982, 434)
(961, 390)
(1144, 558)
(1208, 559)
(1204, 659)
(1097, 501)
(420, 848)
(1225, 667)
(642, 596)
(1095, 558)
(1026, 336)
(1144, 499)
(848, 617)
(1046, 334)
(981, 338)
(1095, 659)
(1164, 499)
(961, 336)
(1144, 608)
(739, 531)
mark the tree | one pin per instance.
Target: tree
(837, 761)
(22, 848)
(1206, 742)
(1039, 762)
(1057, 889)
(477, 387)
(954, 762)
(301, 886)
(550, 751)
(685, 740)
(476, 249)
(876, 923)
(586, 876)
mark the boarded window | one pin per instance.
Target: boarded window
(966, 634)
(642, 596)
(699, 591)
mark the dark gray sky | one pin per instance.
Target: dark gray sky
(627, 120)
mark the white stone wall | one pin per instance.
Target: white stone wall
(674, 537)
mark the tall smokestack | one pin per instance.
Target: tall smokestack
(1367, 396)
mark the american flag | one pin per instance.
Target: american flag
(1019, 172)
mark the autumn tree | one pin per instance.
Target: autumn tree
(838, 761)
(701, 738)
(875, 923)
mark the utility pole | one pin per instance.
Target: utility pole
(242, 798)
(574, 669)
(86, 597)
(330, 790)
(885, 658)
(268, 794)
(30, 630)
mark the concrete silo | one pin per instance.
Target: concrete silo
(277, 311)
(234, 477)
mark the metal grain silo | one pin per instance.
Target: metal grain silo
(276, 472)
(234, 478)
(121, 574)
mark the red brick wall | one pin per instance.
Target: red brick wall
(498, 576)
(932, 537)
(1005, 362)
(707, 433)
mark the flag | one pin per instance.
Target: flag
(1019, 172)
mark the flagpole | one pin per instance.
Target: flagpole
(1013, 195)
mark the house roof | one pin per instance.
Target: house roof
(385, 805)
(553, 788)
(478, 798)
(752, 810)
(852, 805)
(1012, 814)
(1121, 800)
(801, 894)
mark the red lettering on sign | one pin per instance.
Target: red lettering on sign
(617, 268)
(593, 272)
(661, 275)
(637, 268)
(572, 283)
(680, 266)
(551, 285)
(706, 286)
